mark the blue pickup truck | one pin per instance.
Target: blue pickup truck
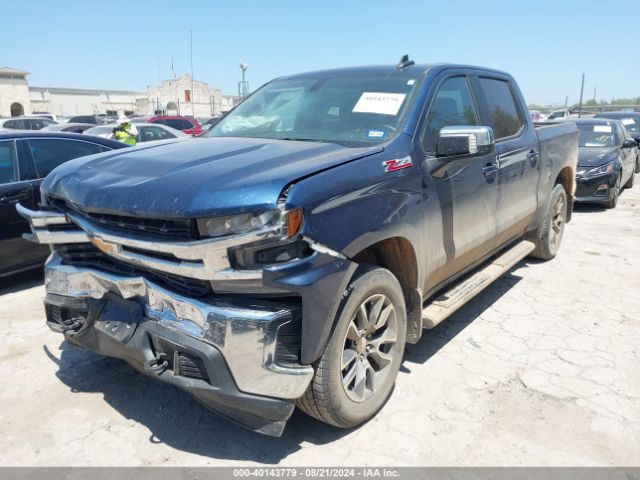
(286, 257)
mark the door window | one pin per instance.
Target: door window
(50, 152)
(8, 162)
(503, 112)
(452, 105)
(149, 133)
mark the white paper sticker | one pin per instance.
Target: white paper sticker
(377, 102)
(628, 121)
(602, 128)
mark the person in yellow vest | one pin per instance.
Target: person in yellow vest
(125, 132)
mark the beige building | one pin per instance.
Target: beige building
(14, 92)
(184, 96)
(177, 96)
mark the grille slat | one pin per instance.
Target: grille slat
(165, 229)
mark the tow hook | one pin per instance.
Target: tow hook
(71, 325)
(157, 364)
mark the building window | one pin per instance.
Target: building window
(187, 95)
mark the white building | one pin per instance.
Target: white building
(177, 96)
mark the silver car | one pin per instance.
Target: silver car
(147, 132)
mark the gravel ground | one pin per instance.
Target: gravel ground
(542, 369)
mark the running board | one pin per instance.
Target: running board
(450, 301)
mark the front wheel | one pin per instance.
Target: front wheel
(615, 193)
(637, 170)
(549, 234)
(355, 375)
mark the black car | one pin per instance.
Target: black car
(25, 159)
(630, 120)
(607, 161)
(93, 119)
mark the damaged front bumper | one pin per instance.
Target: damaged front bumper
(222, 350)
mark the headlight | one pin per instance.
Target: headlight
(602, 170)
(290, 223)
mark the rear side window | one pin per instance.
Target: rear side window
(503, 113)
(50, 152)
(151, 133)
(452, 105)
(8, 162)
(178, 124)
(17, 124)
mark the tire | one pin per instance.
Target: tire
(615, 193)
(631, 181)
(637, 170)
(349, 396)
(548, 236)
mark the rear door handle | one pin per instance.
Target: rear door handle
(490, 169)
(533, 156)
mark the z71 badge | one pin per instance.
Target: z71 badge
(398, 164)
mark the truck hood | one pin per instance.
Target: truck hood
(196, 178)
(594, 157)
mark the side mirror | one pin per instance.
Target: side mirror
(629, 143)
(464, 140)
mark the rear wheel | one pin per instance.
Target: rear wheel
(615, 193)
(549, 234)
(356, 373)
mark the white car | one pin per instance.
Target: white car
(147, 132)
(25, 123)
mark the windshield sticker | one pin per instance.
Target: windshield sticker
(628, 121)
(375, 134)
(377, 102)
(602, 128)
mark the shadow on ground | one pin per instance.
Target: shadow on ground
(180, 422)
(21, 281)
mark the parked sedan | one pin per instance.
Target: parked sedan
(68, 127)
(607, 160)
(25, 159)
(188, 125)
(146, 132)
(631, 122)
(25, 123)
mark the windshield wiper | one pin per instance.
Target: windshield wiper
(293, 139)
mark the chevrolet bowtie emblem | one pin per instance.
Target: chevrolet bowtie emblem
(103, 246)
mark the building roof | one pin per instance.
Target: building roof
(13, 72)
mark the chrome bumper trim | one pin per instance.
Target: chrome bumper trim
(246, 337)
(200, 259)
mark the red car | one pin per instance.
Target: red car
(188, 125)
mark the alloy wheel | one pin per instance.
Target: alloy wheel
(369, 347)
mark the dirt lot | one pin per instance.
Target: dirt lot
(542, 369)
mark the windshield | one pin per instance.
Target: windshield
(596, 135)
(348, 110)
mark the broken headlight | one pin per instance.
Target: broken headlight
(290, 223)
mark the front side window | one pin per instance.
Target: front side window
(350, 110)
(48, 153)
(149, 134)
(503, 113)
(452, 105)
(8, 162)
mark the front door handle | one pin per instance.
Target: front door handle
(533, 156)
(13, 199)
(489, 170)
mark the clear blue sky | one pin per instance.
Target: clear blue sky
(545, 44)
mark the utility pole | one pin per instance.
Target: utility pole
(595, 89)
(193, 108)
(581, 93)
(243, 85)
(566, 101)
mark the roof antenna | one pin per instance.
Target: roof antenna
(405, 62)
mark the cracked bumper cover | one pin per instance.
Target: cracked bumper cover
(233, 339)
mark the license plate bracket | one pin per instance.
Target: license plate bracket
(119, 318)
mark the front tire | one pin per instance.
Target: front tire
(631, 181)
(548, 236)
(615, 193)
(357, 372)
(637, 170)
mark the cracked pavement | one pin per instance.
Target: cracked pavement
(543, 368)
